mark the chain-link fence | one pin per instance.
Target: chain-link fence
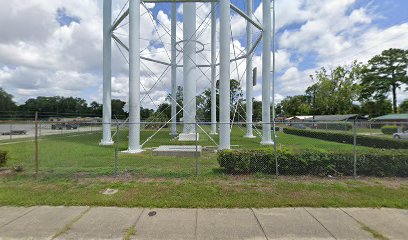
(72, 148)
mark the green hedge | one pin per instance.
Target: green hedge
(389, 130)
(362, 140)
(313, 162)
(3, 158)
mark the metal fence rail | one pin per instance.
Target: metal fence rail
(300, 148)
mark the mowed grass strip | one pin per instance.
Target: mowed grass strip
(203, 193)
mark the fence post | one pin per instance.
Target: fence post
(11, 129)
(196, 153)
(354, 150)
(117, 149)
(275, 149)
(36, 144)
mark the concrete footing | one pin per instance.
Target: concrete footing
(188, 137)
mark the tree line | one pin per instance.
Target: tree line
(56, 106)
(356, 88)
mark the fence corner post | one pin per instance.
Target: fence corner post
(354, 150)
(196, 152)
(36, 144)
(117, 149)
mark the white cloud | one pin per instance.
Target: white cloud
(38, 56)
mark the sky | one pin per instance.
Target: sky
(54, 47)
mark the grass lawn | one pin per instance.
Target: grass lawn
(74, 170)
(228, 192)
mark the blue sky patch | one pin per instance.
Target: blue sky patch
(64, 19)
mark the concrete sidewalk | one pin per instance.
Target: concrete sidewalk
(136, 223)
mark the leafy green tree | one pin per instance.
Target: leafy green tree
(257, 111)
(164, 111)
(6, 102)
(95, 108)
(334, 92)
(179, 101)
(295, 105)
(385, 73)
(403, 107)
(118, 108)
(145, 113)
(376, 108)
(236, 100)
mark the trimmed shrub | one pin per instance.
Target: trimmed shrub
(362, 140)
(314, 162)
(389, 130)
(3, 158)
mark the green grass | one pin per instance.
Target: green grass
(66, 155)
(74, 170)
(228, 192)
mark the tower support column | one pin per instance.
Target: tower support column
(266, 73)
(173, 131)
(107, 74)
(249, 75)
(213, 70)
(189, 72)
(225, 40)
(134, 77)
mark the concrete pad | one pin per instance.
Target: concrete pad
(167, 224)
(291, 223)
(41, 223)
(392, 223)
(228, 224)
(188, 137)
(178, 151)
(338, 223)
(9, 214)
(103, 223)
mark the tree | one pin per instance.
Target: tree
(164, 111)
(7, 103)
(403, 107)
(95, 108)
(179, 101)
(204, 102)
(295, 105)
(56, 106)
(385, 73)
(376, 108)
(145, 113)
(257, 111)
(117, 108)
(334, 92)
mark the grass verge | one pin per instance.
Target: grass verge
(228, 192)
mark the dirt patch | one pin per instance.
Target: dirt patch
(127, 178)
(4, 172)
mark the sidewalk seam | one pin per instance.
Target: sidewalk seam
(320, 223)
(196, 224)
(259, 224)
(365, 227)
(15, 219)
(133, 225)
(69, 225)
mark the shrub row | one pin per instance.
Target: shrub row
(3, 158)
(362, 140)
(389, 130)
(313, 162)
